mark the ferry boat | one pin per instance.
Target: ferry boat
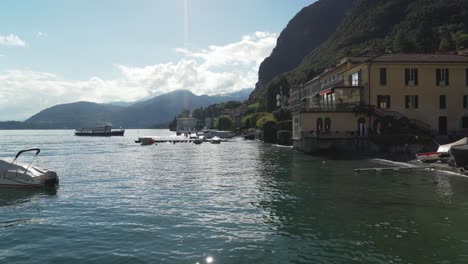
(99, 131)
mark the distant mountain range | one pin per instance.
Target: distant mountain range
(156, 111)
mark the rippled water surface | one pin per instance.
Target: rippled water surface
(237, 202)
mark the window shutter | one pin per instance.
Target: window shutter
(388, 101)
(466, 77)
(438, 77)
(415, 76)
(447, 77)
(407, 76)
(407, 101)
(416, 103)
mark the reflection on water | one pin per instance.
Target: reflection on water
(237, 202)
(19, 206)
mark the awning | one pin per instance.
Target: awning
(327, 91)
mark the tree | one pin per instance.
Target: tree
(446, 40)
(198, 113)
(173, 125)
(402, 42)
(224, 123)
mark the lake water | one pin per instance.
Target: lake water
(237, 202)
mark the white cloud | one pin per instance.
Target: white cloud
(215, 70)
(40, 34)
(12, 40)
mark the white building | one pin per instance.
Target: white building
(186, 124)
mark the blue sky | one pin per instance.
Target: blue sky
(65, 51)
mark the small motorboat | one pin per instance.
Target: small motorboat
(145, 141)
(197, 141)
(215, 140)
(428, 156)
(13, 174)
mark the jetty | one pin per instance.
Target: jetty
(430, 168)
(166, 140)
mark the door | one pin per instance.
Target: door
(442, 125)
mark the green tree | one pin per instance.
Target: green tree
(446, 40)
(198, 113)
(224, 123)
(402, 42)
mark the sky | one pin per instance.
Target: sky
(62, 51)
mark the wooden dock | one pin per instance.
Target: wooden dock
(425, 168)
(166, 140)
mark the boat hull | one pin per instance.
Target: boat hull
(12, 179)
(460, 154)
(100, 134)
(428, 156)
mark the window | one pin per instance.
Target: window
(442, 77)
(466, 77)
(383, 101)
(356, 78)
(465, 101)
(411, 77)
(442, 102)
(327, 124)
(296, 125)
(319, 124)
(411, 101)
(383, 76)
(464, 123)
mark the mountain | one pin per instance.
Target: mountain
(307, 30)
(371, 27)
(236, 96)
(142, 114)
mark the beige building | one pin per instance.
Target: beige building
(427, 92)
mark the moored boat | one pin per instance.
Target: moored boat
(460, 154)
(99, 131)
(13, 174)
(145, 141)
(215, 140)
(428, 156)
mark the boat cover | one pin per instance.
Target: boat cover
(446, 148)
(33, 171)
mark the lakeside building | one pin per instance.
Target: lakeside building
(186, 124)
(363, 96)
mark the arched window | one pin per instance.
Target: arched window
(319, 124)
(327, 124)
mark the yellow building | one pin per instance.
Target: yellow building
(427, 92)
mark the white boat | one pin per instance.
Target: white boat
(428, 156)
(13, 174)
(445, 149)
(215, 140)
